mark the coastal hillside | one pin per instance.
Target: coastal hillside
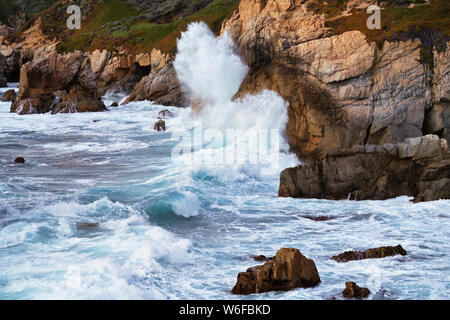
(134, 26)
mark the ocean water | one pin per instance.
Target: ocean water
(102, 209)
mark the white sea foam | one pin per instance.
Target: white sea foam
(211, 70)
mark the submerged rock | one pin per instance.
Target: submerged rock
(160, 125)
(288, 270)
(19, 160)
(114, 104)
(85, 226)
(352, 290)
(9, 95)
(380, 252)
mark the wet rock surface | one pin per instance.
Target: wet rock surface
(58, 83)
(417, 167)
(9, 95)
(160, 125)
(19, 160)
(288, 270)
(373, 253)
(352, 290)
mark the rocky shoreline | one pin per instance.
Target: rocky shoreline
(368, 121)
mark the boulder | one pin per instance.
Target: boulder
(380, 252)
(114, 104)
(19, 160)
(373, 172)
(289, 269)
(352, 290)
(160, 125)
(9, 95)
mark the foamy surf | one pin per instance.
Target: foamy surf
(101, 210)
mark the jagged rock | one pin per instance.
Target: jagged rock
(160, 125)
(161, 85)
(437, 120)
(373, 172)
(288, 270)
(77, 100)
(342, 90)
(9, 95)
(352, 290)
(20, 160)
(380, 252)
(57, 83)
(116, 72)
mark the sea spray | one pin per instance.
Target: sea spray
(241, 135)
(208, 66)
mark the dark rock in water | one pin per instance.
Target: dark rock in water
(114, 104)
(352, 290)
(246, 283)
(380, 252)
(19, 160)
(288, 270)
(163, 114)
(417, 167)
(87, 225)
(319, 218)
(262, 258)
(9, 95)
(160, 125)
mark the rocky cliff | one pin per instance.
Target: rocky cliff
(343, 89)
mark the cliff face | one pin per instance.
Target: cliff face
(342, 89)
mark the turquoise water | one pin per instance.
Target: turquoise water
(101, 211)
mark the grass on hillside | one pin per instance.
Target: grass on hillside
(115, 23)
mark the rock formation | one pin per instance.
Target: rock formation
(118, 72)
(9, 95)
(380, 252)
(161, 85)
(417, 167)
(160, 125)
(343, 91)
(288, 270)
(352, 290)
(19, 160)
(57, 83)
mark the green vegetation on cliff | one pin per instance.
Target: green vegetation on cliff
(397, 21)
(137, 26)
